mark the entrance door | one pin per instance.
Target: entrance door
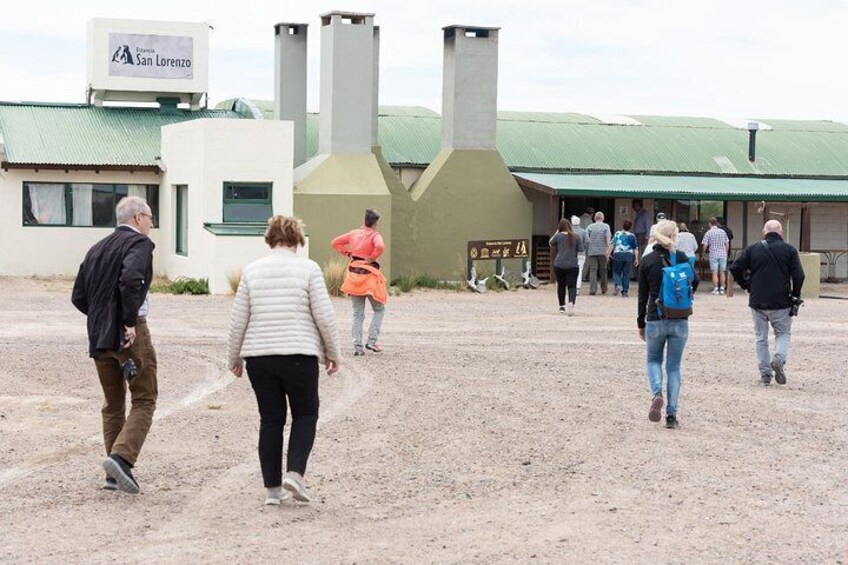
(578, 206)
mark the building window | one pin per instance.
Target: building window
(81, 204)
(247, 201)
(181, 234)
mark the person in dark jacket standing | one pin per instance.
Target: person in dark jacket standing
(111, 290)
(660, 333)
(770, 271)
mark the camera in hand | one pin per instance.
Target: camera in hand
(129, 369)
(795, 304)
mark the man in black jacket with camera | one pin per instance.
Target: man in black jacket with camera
(770, 271)
(111, 290)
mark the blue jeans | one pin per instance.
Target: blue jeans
(658, 334)
(621, 270)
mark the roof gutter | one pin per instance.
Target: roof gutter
(5, 165)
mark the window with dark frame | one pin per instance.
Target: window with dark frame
(247, 202)
(81, 204)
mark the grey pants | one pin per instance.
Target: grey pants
(781, 323)
(359, 318)
(597, 268)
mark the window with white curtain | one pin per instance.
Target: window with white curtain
(81, 204)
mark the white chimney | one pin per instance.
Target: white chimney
(470, 87)
(290, 82)
(347, 83)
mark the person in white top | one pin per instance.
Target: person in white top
(283, 324)
(581, 255)
(687, 243)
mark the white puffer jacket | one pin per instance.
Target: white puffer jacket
(282, 308)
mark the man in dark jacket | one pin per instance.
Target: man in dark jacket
(770, 271)
(111, 290)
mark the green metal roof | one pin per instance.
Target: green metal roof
(66, 134)
(78, 134)
(567, 142)
(672, 186)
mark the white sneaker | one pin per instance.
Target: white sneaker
(294, 484)
(715, 291)
(569, 309)
(275, 496)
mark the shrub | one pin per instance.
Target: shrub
(334, 274)
(183, 285)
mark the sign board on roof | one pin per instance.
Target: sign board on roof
(142, 60)
(151, 56)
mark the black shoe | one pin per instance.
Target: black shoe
(118, 469)
(110, 484)
(765, 379)
(671, 422)
(779, 373)
(357, 352)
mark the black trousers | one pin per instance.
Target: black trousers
(276, 378)
(566, 278)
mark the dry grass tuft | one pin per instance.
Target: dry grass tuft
(334, 274)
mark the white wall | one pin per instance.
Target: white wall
(54, 250)
(203, 154)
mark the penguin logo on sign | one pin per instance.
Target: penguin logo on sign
(122, 55)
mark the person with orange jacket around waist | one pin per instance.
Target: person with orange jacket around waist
(363, 279)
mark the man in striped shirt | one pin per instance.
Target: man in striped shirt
(717, 245)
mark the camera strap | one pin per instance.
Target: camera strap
(784, 272)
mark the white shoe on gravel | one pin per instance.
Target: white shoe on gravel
(275, 496)
(294, 484)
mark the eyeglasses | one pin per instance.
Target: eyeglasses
(146, 214)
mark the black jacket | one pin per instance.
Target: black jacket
(111, 285)
(770, 282)
(650, 280)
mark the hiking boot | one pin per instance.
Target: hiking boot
(765, 379)
(294, 484)
(117, 468)
(110, 484)
(373, 347)
(779, 373)
(671, 422)
(655, 413)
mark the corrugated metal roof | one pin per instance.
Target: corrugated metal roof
(528, 141)
(719, 188)
(53, 134)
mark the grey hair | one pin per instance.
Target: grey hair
(130, 206)
(599, 216)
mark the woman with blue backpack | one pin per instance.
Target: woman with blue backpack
(667, 284)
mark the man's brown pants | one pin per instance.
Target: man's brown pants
(124, 435)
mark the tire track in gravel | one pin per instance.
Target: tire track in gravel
(213, 383)
(188, 523)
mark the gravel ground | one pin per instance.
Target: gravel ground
(493, 429)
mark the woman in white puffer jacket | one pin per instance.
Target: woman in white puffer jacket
(283, 325)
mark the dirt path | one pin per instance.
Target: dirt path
(492, 430)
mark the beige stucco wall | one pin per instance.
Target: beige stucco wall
(53, 250)
(203, 154)
(331, 194)
(463, 195)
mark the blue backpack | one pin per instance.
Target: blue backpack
(676, 293)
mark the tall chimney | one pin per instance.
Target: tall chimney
(290, 82)
(470, 87)
(375, 107)
(347, 69)
(752, 140)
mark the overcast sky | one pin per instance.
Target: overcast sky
(730, 59)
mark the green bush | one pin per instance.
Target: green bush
(183, 285)
(406, 283)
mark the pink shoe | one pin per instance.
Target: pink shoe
(374, 347)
